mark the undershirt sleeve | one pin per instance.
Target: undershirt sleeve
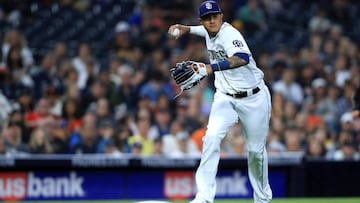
(198, 30)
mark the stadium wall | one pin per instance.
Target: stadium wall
(97, 177)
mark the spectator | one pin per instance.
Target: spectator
(60, 54)
(14, 78)
(169, 141)
(186, 147)
(71, 115)
(59, 140)
(356, 101)
(142, 137)
(112, 150)
(347, 123)
(319, 23)
(12, 135)
(114, 70)
(275, 144)
(342, 72)
(26, 102)
(346, 152)
(293, 140)
(288, 87)
(199, 133)
(137, 149)
(146, 113)
(121, 140)
(344, 102)
(326, 104)
(75, 137)
(68, 74)
(45, 80)
(83, 65)
(17, 118)
(339, 13)
(88, 142)
(106, 135)
(315, 149)
(162, 121)
(6, 108)
(14, 38)
(278, 103)
(289, 116)
(313, 121)
(277, 126)
(41, 115)
(122, 44)
(16, 67)
(252, 16)
(158, 146)
(97, 91)
(3, 150)
(155, 87)
(127, 92)
(39, 142)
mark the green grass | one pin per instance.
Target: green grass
(285, 200)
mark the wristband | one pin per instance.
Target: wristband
(222, 65)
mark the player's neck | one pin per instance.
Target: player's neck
(212, 34)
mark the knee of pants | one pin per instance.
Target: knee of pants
(254, 157)
(255, 148)
(212, 142)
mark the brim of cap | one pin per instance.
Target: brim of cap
(209, 12)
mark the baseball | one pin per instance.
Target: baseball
(175, 32)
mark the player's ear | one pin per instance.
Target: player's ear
(200, 21)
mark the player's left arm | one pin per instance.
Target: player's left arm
(235, 61)
(238, 59)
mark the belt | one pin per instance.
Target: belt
(243, 94)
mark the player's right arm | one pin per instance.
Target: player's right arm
(184, 29)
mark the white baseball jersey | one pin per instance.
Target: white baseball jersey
(226, 43)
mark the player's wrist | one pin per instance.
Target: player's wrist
(184, 28)
(202, 69)
(222, 65)
(209, 69)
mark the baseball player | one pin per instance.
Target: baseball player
(241, 96)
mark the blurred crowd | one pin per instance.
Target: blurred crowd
(63, 103)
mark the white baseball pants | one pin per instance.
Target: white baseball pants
(253, 112)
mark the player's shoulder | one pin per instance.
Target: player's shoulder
(228, 27)
(229, 30)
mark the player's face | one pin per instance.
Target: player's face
(212, 23)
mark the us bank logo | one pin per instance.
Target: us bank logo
(21, 185)
(181, 185)
(233, 185)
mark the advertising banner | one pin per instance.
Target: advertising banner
(154, 184)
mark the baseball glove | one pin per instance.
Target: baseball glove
(185, 76)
